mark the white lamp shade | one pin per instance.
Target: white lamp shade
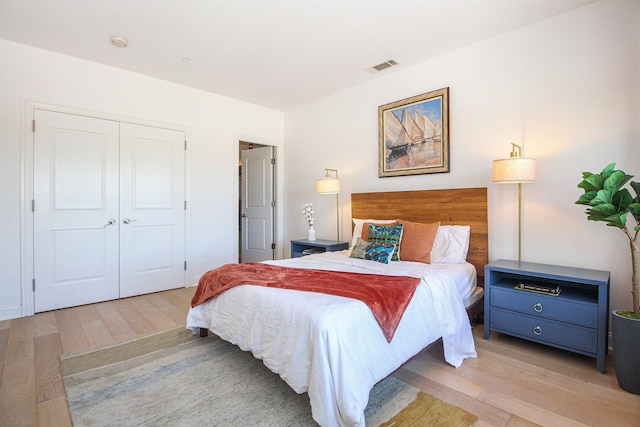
(328, 186)
(516, 170)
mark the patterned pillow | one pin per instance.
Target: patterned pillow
(359, 227)
(379, 252)
(365, 228)
(389, 234)
(359, 249)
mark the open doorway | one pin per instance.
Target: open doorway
(256, 202)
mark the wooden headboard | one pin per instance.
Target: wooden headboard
(462, 206)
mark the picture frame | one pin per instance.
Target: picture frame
(413, 135)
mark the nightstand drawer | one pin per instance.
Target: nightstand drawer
(546, 306)
(545, 331)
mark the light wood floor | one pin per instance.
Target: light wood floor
(511, 383)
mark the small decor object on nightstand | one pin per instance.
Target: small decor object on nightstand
(307, 211)
(537, 287)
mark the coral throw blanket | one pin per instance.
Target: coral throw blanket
(386, 296)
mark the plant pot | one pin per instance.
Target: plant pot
(626, 351)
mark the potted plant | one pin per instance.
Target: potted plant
(609, 201)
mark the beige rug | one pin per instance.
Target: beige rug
(157, 380)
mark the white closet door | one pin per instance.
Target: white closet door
(76, 210)
(152, 211)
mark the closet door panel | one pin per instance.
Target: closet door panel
(75, 224)
(152, 214)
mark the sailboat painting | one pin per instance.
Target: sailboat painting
(413, 135)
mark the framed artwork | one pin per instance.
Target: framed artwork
(413, 135)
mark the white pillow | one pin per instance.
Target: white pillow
(357, 229)
(451, 244)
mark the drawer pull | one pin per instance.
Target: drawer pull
(537, 307)
(537, 330)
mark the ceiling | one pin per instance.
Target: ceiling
(275, 53)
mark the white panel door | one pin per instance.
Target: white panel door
(152, 211)
(257, 209)
(76, 210)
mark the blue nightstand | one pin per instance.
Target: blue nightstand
(576, 319)
(305, 247)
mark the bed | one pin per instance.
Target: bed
(332, 347)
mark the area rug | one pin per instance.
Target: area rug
(158, 380)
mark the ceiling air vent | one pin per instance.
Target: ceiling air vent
(384, 65)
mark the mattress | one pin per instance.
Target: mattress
(332, 347)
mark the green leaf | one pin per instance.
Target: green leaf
(616, 180)
(586, 175)
(634, 208)
(608, 170)
(622, 200)
(617, 220)
(591, 183)
(636, 187)
(587, 186)
(586, 198)
(605, 209)
(603, 196)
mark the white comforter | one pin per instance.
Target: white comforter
(332, 347)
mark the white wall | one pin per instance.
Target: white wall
(566, 89)
(213, 122)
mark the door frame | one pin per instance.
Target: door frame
(278, 229)
(26, 189)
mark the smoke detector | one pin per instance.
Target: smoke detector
(119, 41)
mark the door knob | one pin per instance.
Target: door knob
(111, 222)
(127, 220)
(244, 215)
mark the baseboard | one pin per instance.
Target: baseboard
(10, 312)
